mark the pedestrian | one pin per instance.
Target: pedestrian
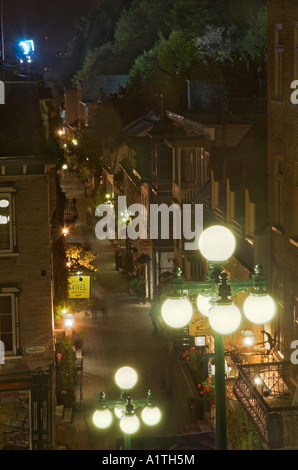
(141, 292)
(154, 314)
(117, 257)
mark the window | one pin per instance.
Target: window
(296, 53)
(7, 221)
(279, 179)
(279, 49)
(295, 201)
(8, 321)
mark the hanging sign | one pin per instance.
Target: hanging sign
(79, 287)
(200, 326)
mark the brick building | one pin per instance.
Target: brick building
(27, 207)
(283, 167)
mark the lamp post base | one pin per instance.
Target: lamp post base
(220, 394)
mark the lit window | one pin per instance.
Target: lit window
(7, 222)
(279, 49)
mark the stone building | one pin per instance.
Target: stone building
(283, 167)
(28, 199)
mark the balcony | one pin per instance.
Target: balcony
(186, 192)
(267, 393)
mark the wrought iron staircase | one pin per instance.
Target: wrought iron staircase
(267, 393)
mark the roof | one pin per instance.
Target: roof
(144, 123)
(22, 130)
(93, 90)
(245, 163)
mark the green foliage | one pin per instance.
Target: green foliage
(241, 432)
(254, 44)
(66, 371)
(217, 44)
(177, 57)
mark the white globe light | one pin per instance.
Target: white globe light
(69, 321)
(151, 415)
(102, 418)
(177, 312)
(129, 424)
(259, 308)
(119, 411)
(126, 378)
(224, 318)
(217, 243)
(203, 304)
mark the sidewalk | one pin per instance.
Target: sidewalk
(119, 333)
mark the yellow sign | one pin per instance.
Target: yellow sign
(200, 326)
(145, 246)
(79, 287)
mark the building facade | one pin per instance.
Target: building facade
(283, 167)
(27, 207)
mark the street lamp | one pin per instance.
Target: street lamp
(126, 378)
(217, 245)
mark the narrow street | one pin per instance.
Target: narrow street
(117, 333)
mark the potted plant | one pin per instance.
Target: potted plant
(133, 285)
(207, 389)
(66, 370)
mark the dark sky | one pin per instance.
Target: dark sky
(37, 19)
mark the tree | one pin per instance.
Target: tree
(101, 135)
(254, 44)
(139, 27)
(78, 259)
(217, 44)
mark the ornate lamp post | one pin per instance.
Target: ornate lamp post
(126, 378)
(217, 245)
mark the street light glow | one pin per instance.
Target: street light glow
(126, 378)
(217, 243)
(203, 304)
(225, 318)
(129, 423)
(177, 312)
(151, 415)
(102, 418)
(259, 308)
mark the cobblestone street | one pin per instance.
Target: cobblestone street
(119, 332)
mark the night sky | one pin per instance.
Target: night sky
(41, 19)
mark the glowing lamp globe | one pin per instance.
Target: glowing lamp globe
(126, 378)
(119, 411)
(217, 243)
(102, 418)
(203, 304)
(69, 321)
(259, 308)
(177, 312)
(151, 415)
(224, 318)
(129, 423)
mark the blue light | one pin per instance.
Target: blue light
(27, 46)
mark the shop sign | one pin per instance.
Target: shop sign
(35, 349)
(145, 246)
(79, 287)
(200, 327)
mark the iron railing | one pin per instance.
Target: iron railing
(266, 391)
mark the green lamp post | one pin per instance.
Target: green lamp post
(217, 245)
(124, 409)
